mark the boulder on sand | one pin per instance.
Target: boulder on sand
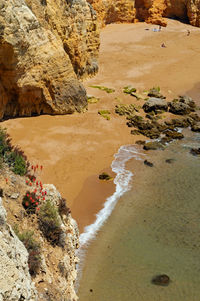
(155, 104)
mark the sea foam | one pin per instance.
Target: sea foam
(122, 182)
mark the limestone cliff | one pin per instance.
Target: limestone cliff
(57, 273)
(45, 45)
(15, 280)
(151, 11)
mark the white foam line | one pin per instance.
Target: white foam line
(122, 182)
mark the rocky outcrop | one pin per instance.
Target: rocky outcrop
(15, 280)
(57, 272)
(150, 11)
(114, 11)
(155, 104)
(45, 46)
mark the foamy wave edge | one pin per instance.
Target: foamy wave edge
(122, 182)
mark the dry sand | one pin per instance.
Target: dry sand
(75, 149)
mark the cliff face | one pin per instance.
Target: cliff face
(57, 273)
(150, 11)
(15, 280)
(44, 47)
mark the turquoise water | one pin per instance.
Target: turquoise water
(154, 229)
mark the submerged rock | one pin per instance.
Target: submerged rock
(162, 280)
(153, 145)
(148, 163)
(169, 161)
(195, 151)
(174, 134)
(166, 140)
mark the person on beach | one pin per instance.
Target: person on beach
(159, 29)
(163, 45)
(188, 32)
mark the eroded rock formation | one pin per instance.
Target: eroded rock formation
(151, 11)
(45, 46)
(15, 280)
(57, 272)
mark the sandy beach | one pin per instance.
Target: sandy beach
(75, 149)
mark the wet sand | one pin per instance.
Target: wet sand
(75, 149)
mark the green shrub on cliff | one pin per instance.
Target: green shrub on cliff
(33, 248)
(50, 222)
(14, 157)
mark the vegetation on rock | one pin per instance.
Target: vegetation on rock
(14, 157)
(33, 248)
(92, 99)
(129, 90)
(105, 114)
(124, 109)
(107, 90)
(50, 222)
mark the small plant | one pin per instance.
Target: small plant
(50, 223)
(92, 99)
(63, 209)
(105, 114)
(14, 157)
(107, 90)
(33, 248)
(129, 90)
(30, 202)
(19, 165)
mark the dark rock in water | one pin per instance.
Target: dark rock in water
(169, 161)
(104, 176)
(174, 134)
(135, 132)
(153, 145)
(140, 142)
(162, 280)
(155, 104)
(195, 151)
(148, 163)
(166, 140)
(196, 127)
(154, 92)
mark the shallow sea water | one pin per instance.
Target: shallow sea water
(153, 229)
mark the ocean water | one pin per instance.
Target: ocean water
(154, 228)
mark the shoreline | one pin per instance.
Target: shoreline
(75, 148)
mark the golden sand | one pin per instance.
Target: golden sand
(75, 149)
